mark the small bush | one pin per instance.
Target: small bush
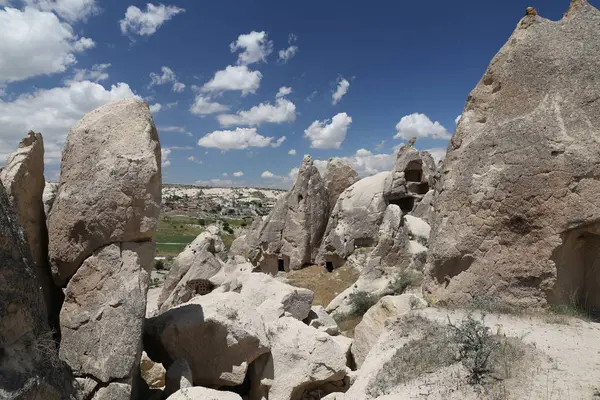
(404, 280)
(159, 265)
(491, 305)
(475, 347)
(361, 302)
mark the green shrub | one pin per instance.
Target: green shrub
(475, 347)
(360, 302)
(159, 265)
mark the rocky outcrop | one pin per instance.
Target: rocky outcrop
(354, 221)
(23, 179)
(368, 331)
(192, 269)
(29, 366)
(338, 177)
(259, 288)
(242, 245)
(411, 179)
(290, 236)
(179, 376)
(303, 359)
(219, 335)
(516, 208)
(110, 185)
(319, 319)
(103, 312)
(151, 372)
(101, 227)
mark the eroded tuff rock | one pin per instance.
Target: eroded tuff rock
(516, 210)
(410, 180)
(290, 236)
(110, 185)
(191, 270)
(104, 309)
(302, 359)
(354, 221)
(48, 197)
(338, 177)
(219, 335)
(29, 366)
(200, 393)
(368, 331)
(23, 179)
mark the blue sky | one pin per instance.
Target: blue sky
(389, 60)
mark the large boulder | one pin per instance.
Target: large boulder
(318, 318)
(517, 217)
(354, 221)
(258, 288)
(338, 177)
(219, 335)
(290, 236)
(29, 367)
(372, 325)
(179, 376)
(411, 179)
(191, 270)
(103, 313)
(110, 185)
(303, 359)
(23, 179)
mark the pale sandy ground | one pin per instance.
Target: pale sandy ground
(567, 365)
(154, 292)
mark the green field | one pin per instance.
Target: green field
(176, 232)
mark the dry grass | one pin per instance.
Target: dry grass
(325, 285)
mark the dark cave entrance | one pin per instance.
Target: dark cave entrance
(329, 266)
(406, 204)
(281, 265)
(578, 271)
(414, 171)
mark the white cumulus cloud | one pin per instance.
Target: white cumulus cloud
(178, 87)
(269, 175)
(255, 45)
(146, 23)
(70, 10)
(342, 89)
(420, 126)
(53, 112)
(286, 54)
(194, 160)
(155, 107)
(167, 76)
(241, 138)
(238, 174)
(283, 91)
(97, 73)
(237, 77)
(204, 106)
(35, 42)
(328, 134)
(457, 119)
(292, 152)
(282, 111)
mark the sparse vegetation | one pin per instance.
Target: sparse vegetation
(491, 305)
(159, 265)
(404, 280)
(325, 285)
(361, 301)
(489, 358)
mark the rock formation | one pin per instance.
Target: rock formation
(29, 366)
(411, 179)
(23, 179)
(191, 270)
(338, 177)
(101, 227)
(48, 197)
(290, 236)
(354, 221)
(219, 335)
(516, 209)
(110, 185)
